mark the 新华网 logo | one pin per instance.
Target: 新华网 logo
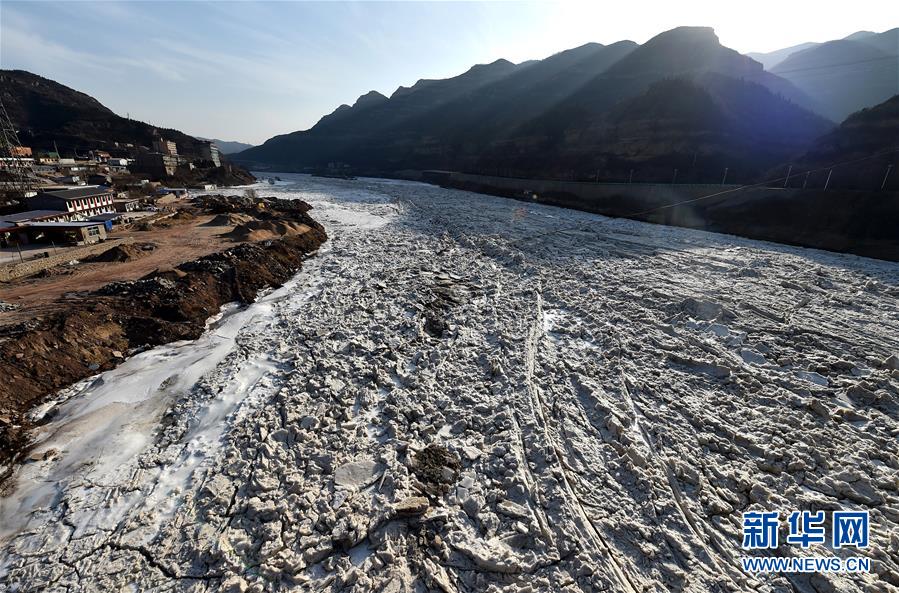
(848, 529)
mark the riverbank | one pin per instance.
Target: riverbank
(69, 339)
(843, 221)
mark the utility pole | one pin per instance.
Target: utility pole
(787, 180)
(884, 184)
(630, 177)
(826, 183)
(20, 170)
(673, 179)
(724, 179)
(805, 183)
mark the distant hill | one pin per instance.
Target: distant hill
(47, 113)
(773, 58)
(229, 147)
(592, 111)
(847, 74)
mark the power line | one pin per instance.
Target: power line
(772, 71)
(706, 197)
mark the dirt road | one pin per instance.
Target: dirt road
(175, 241)
(465, 393)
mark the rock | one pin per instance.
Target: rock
(234, 584)
(471, 506)
(357, 474)
(412, 506)
(892, 362)
(511, 509)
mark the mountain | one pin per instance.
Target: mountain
(577, 113)
(49, 114)
(847, 74)
(867, 142)
(228, 146)
(773, 58)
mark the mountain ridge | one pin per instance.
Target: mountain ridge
(50, 114)
(543, 116)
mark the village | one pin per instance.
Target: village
(51, 206)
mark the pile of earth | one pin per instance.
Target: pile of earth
(40, 356)
(122, 253)
(264, 230)
(230, 219)
(259, 207)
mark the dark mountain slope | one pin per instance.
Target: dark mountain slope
(558, 116)
(45, 112)
(848, 74)
(349, 130)
(696, 124)
(871, 134)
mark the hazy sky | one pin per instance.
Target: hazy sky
(246, 71)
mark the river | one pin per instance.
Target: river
(604, 397)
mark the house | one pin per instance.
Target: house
(126, 204)
(97, 179)
(210, 152)
(48, 158)
(68, 180)
(101, 156)
(180, 192)
(60, 233)
(21, 218)
(108, 219)
(23, 151)
(117, 165)
(10, 235)
(84, 201)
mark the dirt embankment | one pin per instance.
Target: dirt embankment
(41, 356)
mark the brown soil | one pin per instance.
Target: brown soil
(49, 345)
(261, 230)
(123, 253)
(229, 219)
(180, 242)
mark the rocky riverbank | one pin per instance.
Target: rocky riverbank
(41, 356)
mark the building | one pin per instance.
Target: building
(21, 218)
(68, 180)
(126, 204)
(155, 164)
(180, 192)
(23, 151)
(83, 201)
(210, 152)
(48, 158)
(61, 233)
(10, 235)
(98, 179)
(165, 147)
(101, 156)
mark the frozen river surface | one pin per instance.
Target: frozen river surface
(465, 393)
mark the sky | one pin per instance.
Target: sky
(247, 71)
